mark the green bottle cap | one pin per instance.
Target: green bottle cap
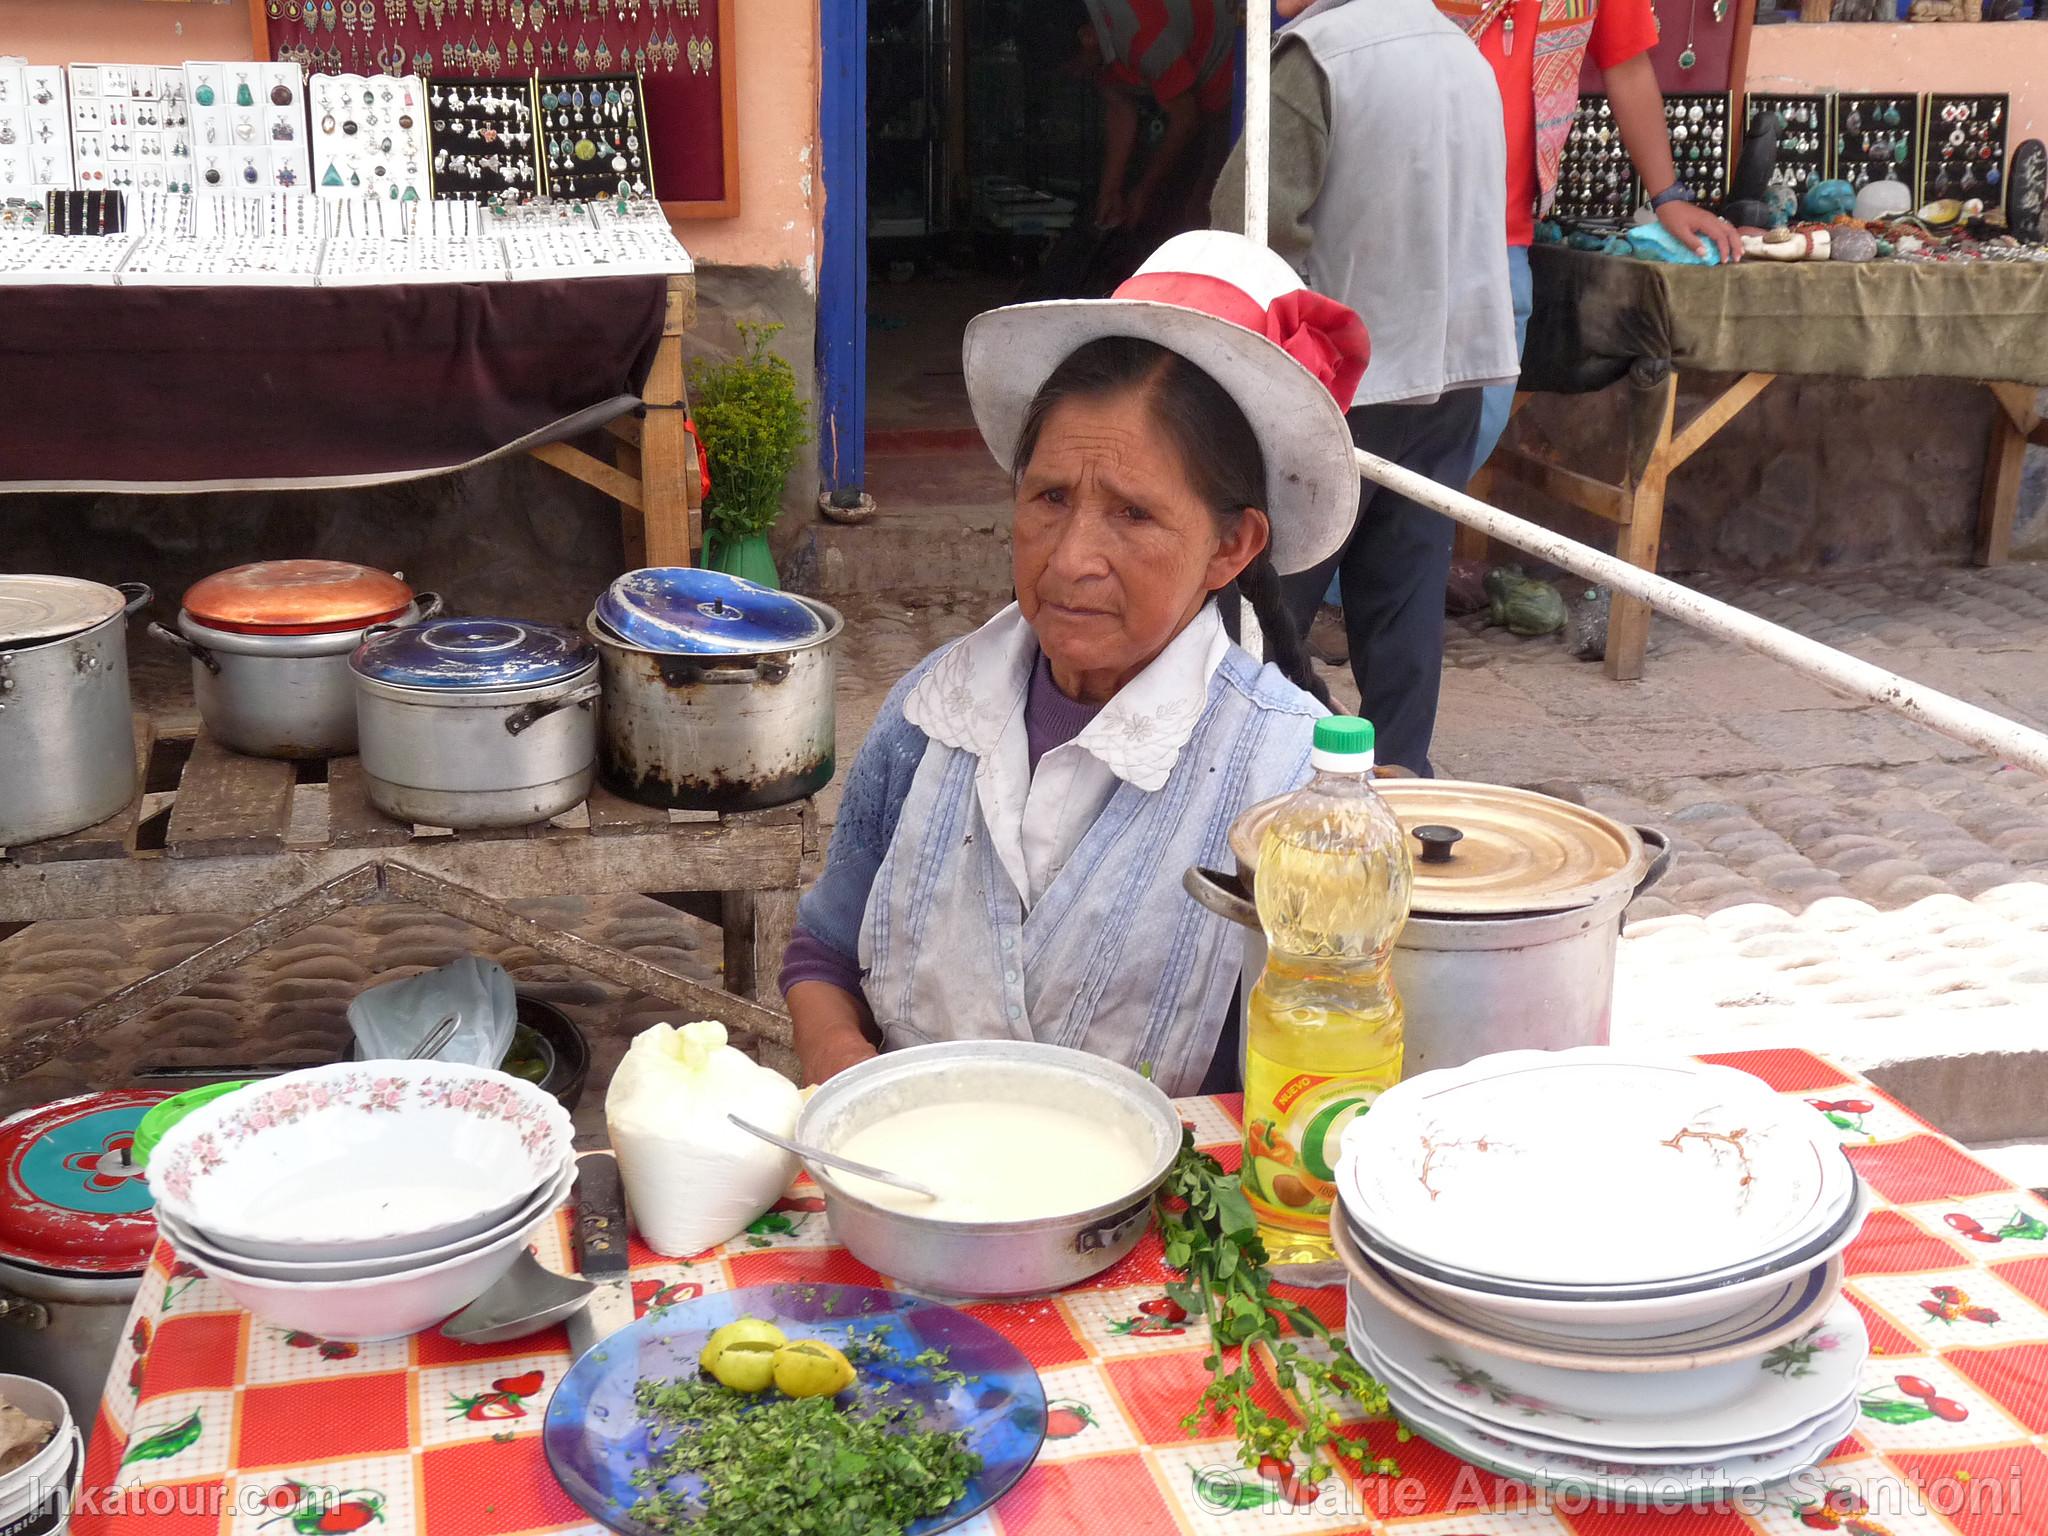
(1344, 736)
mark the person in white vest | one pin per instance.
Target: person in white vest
(1008, 857)
(1388, 191)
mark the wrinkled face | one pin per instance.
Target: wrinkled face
(1113, 550)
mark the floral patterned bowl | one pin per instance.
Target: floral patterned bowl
(360, 1160)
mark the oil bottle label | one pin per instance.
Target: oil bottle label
(1294, 1126)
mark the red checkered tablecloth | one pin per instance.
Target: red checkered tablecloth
(430, 1436)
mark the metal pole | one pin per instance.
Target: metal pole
(1258, 114)
(2006, 739)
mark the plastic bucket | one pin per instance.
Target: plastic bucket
(35, 1498)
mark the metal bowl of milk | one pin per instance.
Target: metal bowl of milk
(1044, 1161)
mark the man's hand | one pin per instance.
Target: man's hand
(829, 1058)
(1110, 210)
(1695, 227)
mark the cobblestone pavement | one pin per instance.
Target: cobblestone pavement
(1800, 819)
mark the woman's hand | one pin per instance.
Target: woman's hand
(834, 1029)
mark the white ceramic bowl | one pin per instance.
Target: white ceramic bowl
(382, 1307)
(199, 1247)
(1636, 1317)
(361, 1160)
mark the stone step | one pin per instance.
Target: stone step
(942, 522)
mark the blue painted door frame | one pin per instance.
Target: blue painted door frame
(843, 264)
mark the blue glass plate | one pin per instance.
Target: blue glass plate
(596, 1441)
(690, 611)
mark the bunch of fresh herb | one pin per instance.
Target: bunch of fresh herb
(751, 419)
(1212, 1235)
(812, 1466)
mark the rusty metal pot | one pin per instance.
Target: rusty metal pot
(1510, 940)
(718, 733)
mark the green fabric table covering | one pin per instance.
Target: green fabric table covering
(1594, 315)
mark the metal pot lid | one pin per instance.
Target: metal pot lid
(452, 654)
(687, 611)
(34, 609)
(1483, 850)
(74, 1202)
(297, 597)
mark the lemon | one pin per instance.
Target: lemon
(746, 1366)
(745, 1330)
(811, 1368)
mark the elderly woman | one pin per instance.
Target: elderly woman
(1007, 861)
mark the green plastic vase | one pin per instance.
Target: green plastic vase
(746, 556)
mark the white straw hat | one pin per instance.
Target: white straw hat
(1286, 354)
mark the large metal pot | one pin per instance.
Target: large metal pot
(455, 735)
(67, 733)
(735, 732)
(1509, 945)
(956, 1259)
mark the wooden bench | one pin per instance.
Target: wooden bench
(213, 831)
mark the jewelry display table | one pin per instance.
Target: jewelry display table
(225, 833)
(1599, 318)
(262, 386)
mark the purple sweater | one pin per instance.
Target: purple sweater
(1051, 719)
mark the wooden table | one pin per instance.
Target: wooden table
(1599, 317)
(213, 831)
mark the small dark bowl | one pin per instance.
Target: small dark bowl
(548, 1049)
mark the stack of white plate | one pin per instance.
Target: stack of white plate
(1605, 1273)
(366, 1200)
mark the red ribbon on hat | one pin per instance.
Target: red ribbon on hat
(1326, 337)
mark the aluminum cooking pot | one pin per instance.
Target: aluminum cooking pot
(67, 733)
(1513, 923)
(733, 732)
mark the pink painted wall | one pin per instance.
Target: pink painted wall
(2008, 56)
(123, 31)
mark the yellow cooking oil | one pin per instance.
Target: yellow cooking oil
(1323, 1025)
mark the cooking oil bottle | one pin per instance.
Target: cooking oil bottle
(1323, 1029)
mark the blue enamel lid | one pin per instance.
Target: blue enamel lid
(473, 653)
(688, 611)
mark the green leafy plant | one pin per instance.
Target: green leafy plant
(751, 422)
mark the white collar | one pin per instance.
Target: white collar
(968, 699)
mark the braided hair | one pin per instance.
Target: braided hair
(1218, 452)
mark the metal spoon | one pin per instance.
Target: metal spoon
(525, 1299)
(437, 1037)
(834, 1160)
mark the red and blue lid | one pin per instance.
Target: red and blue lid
(72, 1201)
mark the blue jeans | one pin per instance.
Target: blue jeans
(1493, 409)
(1493, 414)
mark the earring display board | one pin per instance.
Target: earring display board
(593, 132)
(484, 138)
(1877, 139)
(131, 128)
(248, 127)
(369, 136)
(1806, 142)
(1702, 141)
(1965, 148)
(1596, 184)
(35, 130)
(681, 49)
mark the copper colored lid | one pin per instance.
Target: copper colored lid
(1498, 850)
(297, 597)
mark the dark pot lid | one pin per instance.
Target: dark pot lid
(35, 609)
(683, 610)
(473, 654)
(72, 1203)
(297, 597)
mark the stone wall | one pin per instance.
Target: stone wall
(1815, 474)
(510, 537)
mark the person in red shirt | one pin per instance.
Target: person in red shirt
(1536, 48)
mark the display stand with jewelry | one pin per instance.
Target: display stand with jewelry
(248, 127)
(1702, 141)
(369, 137)
(1596, 183)
(35, 130)
(1806, 141)
(594, 136)
(1876, 139)
(1965, 148)
(484, 139)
